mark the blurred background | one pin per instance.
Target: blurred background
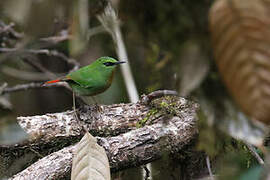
(211, 52)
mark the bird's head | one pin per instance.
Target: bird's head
(108, 62)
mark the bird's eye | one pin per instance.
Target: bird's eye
(109, 63)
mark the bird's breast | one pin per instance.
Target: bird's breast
(110, 79)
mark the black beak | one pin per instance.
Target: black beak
(120, 62)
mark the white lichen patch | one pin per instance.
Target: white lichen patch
(172, 127)
(37, 126)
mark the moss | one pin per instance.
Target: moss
(166, 106)
(150, 114)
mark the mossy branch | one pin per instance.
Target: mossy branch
(167, 130)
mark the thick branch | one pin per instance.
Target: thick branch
(169, 118)
(131, 149)
(108, 120)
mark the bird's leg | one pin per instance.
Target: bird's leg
(74, 106)
(96, 104)
(75, 113)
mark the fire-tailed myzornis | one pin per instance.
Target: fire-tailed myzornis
(92, 79)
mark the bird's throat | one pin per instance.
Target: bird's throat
(110, 79)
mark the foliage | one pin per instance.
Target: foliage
(239, 30)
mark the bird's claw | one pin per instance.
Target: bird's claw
(98, 108)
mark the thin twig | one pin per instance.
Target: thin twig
(209, 168)
(8, 29)
(47, 52)
(39, 67)
(95, 30)
(39, 85)
(146, 99)
(24, 87)
(4, 102)
(26, 75)
(255, 154)
(37, 153)
(83, 13)
(147, 172)
(63, 36)
(111, 23)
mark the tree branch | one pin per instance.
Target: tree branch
(136, 147)
(24, 87)
(47, 52)
(110, 22)
(170, 124)
(7, 30)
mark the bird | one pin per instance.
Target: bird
(92, 79)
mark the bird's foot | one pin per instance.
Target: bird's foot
(75, 114)
(98, 108)
(83, 127)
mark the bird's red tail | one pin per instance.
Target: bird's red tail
(52, 81)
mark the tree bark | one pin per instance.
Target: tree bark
(169, 124)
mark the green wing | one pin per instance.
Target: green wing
(86, 77)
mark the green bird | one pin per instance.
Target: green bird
(92, 79)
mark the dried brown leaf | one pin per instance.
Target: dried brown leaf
(241, 39)
(90, 160)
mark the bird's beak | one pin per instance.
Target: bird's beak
(120, 62)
